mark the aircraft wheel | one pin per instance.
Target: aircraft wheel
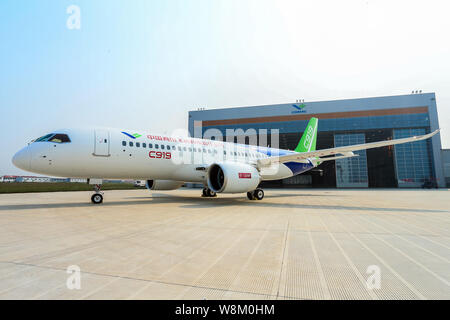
(97, 198)
(250, 196)
(258, 194)
(211, 193)
(204, 192)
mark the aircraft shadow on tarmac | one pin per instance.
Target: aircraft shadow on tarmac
(200, 203)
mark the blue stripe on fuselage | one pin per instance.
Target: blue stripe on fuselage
(298, 167)
(274, 152)
(295, 167)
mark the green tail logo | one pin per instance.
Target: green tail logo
(309, 138)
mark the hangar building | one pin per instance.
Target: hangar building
(344, 122)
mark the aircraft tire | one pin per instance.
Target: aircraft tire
(258, 194)
(97, 198)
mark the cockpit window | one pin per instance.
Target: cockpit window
(59, 138)
(44, 138)
(54, 137)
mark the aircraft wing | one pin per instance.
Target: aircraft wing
(338, 152)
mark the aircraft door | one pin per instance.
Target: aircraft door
(102, 143)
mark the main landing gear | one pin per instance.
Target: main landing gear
(207, 192)
(257, 194)
(97, 197)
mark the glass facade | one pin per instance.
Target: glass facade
(351, 172)
(412, 160)
(357, 123)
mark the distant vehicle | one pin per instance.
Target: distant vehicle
(429, 184)
(139, 183)
(166, 163)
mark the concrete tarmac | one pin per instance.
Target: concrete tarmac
(294, 244)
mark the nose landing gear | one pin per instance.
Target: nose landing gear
(97, 197)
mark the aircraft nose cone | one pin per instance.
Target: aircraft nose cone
(22, 159)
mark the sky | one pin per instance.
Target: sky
(144, 64)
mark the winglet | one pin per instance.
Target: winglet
(427, 136)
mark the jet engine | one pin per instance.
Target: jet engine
(163, 184)
(231, 177)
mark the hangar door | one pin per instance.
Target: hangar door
(351, 172)
(101, 144)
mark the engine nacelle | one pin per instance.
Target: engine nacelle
(163, 184)
(231, 177)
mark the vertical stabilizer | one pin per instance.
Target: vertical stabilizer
(309, 138)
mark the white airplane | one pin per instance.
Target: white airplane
(166, 163)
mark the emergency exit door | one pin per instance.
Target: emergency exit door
(101, 147)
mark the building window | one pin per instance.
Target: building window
(351, 172)
(413, 163)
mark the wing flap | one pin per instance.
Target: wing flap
(340, 151)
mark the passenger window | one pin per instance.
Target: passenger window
(162, 146)
(156, 146)
(179, 148)
(190, 149)
(138, 144)
(184, 148)
(150, 145)
(124, 143)
(168, 147)
(144, 145)
(209, 150)
(131, 144)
